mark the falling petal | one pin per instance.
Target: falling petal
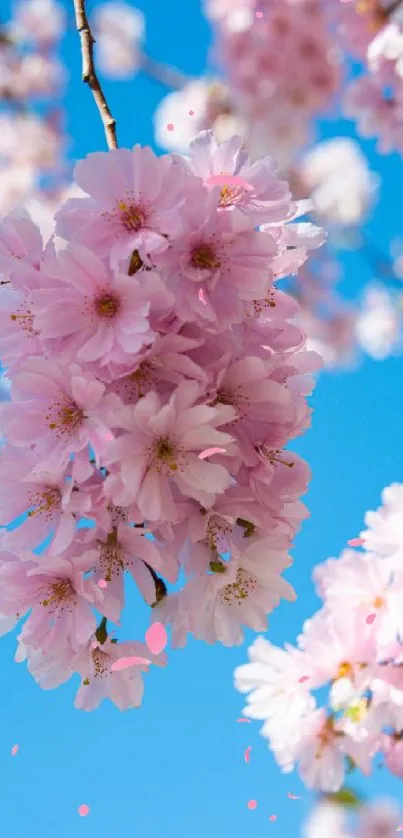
(83, 810)
(370, 619)
(356, 542)
(304, 678)
(247, 753)
(208, 452)
(244, 720)
(14, 750)
(292, 796)
(273, 818)
(156, 638)
(125, 663)
(102, 583)
(252, 804)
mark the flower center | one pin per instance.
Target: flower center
(111, 561)
(131, 216)
(64, 418)
(236, 592)
(345, 669)
(46, 502)
(379, 602)
(358, 711)
(24, 319)
(231, 195)
(107, 306)
(59, 592)
(100, 662)
(204, 256)
(165, 450)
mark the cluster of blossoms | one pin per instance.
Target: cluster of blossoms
(33, 170)
(372, 31)
(376, 820)
(272, 106)
(255, 45)
(352, 648)
(157, 374)
(262, 99)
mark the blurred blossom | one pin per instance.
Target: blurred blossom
(335, 174)
(332, 338)
(200, 105)
(38, 21)
(37, 75)
(119, 30)
(235, 15)
(379, 323)
(379, 820)
(326, 819)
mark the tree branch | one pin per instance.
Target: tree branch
(89, 75)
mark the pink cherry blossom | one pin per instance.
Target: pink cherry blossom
(161, 445)
(64, 412)
(84, 311)
(134, 203)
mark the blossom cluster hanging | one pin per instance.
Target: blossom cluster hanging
(353, 648)
(157, 375)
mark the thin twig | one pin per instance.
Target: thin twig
(168, 76)
(89, 74)
(390, 10)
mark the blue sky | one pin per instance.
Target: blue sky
(175, 768)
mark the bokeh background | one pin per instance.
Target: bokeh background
(175, 768)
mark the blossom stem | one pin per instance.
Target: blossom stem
(101, 633)
(160, 586)
(393, 7)
(168, 76)
(89, 74)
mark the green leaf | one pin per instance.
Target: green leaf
(217, 567)
(345, 797)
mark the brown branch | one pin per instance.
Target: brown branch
(390, 10)
(89, 74)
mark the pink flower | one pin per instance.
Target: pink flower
(60, 597)
(58, 411)
(160, 367)
(135, 200)
(257, 191)
(162, 444)
(129, 549)
(21, 249)
(84, 311)
(207, 266)
(51, 501)
(239, 592)
(124, 688)
(19, 339)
